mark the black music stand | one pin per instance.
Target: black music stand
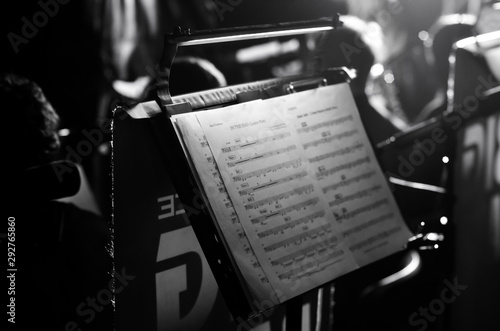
(173, 155)
(176, 163)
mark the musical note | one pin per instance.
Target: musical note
(300, 190)
(275, 137)
(366, 225)
(331, 138)
(312, 266)
(262, 156)
(308, 251)
(273, 168)
(354, 196)
(291, 224)
(346, 166)
(283, 211)
(347, 182)
(273, 183)
(339, 152)
(364, 209)
(373, 239)
(304, 235)
(337, 121)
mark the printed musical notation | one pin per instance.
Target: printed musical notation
(338, 152)
(291, 224)
(298, 191)
(237, 147)
(311, 250)
(259, 157)
(297, 239)
(346, 166)
(284, 195)
(357, 195)
(286, 210)
(332, 123)
(327, 138)
(312, 267)
(278, 181)
(348, 182)
(276, 167)
(209, 176)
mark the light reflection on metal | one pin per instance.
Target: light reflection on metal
(418, 186)
(403, 273)
(248, 36)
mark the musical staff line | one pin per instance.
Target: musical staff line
(346, 166)
(348, 182)
(354, 196)
(311, 267)
(319, 247)
(366, 225)
(273, 183)
(381, 235)
(326, 124)
(313, 233)
(262, 156)
(255, 173)
(291, 224)
(363, 209)
(339, 152)
(283, 211)
(329, 139)
(279, 136)
(299, 190)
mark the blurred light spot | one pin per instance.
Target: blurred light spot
(436, 246)
(64, 132)
(423, 35)
(434, 236)
(418, 186)
(422, 223)
(104, 149)
(446, 159)
(443, 220)
(265, 51)
(377, 70)
(389, 78)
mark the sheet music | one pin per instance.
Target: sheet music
(201, 157)
(303, 180)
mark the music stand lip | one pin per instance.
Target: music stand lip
(202, 37)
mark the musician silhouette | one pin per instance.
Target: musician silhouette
(62, 252)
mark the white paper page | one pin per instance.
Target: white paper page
(222, 207)
(306, 186)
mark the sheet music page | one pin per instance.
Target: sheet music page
(200, 156)
(304, 182)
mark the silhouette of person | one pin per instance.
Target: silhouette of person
(63, 253)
